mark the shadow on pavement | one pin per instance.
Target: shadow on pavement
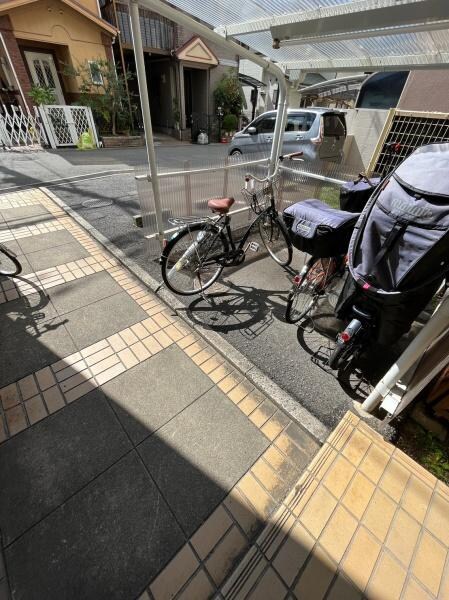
(97, 497)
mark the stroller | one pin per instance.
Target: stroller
(398, 254)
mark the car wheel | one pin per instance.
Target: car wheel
(236, 152)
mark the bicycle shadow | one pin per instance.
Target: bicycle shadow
(230, 307)
(26, 312)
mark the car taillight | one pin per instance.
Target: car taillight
(164, 243)
(297, 279)
(319, 139)
(345, 337)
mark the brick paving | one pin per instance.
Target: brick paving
(136, 462)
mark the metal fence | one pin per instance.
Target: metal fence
(64, 124)
(20, 129)
(411, 130)
(185, 191)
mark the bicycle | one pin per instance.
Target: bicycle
(311, 284)
(195, 256)
(9, 265)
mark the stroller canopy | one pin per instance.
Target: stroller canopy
(401, 241)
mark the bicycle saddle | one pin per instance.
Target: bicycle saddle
(220, 205)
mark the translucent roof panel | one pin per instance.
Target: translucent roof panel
(334, 34)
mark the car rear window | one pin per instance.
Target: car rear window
(334, 124)
(301, 122)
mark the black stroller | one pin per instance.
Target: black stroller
(398, 254)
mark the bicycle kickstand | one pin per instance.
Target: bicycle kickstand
(206, 298)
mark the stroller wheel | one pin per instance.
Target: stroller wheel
(341, 356)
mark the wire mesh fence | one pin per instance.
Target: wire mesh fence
(409, 130)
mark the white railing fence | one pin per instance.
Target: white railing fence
(185, 191)
(50, 125)
(65, 124)
(20, 129)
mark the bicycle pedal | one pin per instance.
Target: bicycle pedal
(253, 246)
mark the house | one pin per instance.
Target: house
(182, 71)
(40, 39)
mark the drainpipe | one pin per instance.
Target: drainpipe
(220, 39)
(143, 91)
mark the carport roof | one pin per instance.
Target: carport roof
(334, 35)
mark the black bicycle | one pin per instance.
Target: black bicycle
(9, 265)
(195, 256)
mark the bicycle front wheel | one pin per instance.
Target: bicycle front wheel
(190, 261)
(275, 239)
(9, 265)
(301, 299)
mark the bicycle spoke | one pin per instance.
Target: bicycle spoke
(274, 240)
(191, 264)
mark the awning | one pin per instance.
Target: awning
(341, 87)
(334, 35)
(252, 81)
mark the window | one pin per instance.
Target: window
(382, 90)
(300, 122)
(334, 125)
(266, 125)
(95, 73)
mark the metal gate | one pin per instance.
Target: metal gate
(207, 123)
(411, 130)
(65, 124)
(20, 129)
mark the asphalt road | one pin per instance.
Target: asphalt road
(248, 309)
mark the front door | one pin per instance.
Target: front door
(43, 72)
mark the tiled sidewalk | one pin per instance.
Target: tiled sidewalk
(364, 521)
(135, 462)
(123, 434)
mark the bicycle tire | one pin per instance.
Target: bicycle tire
(277, 238)
(169, 259)
(293, 313)
(9, 265)
(341, 355)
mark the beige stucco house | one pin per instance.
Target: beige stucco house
(39, 39)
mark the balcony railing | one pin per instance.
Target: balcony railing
(157, 32)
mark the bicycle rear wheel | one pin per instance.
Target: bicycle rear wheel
(9, 265)
(189, 262)
(275, 239)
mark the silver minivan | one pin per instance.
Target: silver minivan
(318, 132)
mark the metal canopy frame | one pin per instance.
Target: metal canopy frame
(343, 35)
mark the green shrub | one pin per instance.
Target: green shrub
(228, 94)
(230, 123)
(42, 95)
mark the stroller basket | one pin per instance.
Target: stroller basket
(318, 229)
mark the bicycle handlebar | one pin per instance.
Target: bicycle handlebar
(292, 156)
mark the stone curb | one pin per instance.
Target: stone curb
(281, 398)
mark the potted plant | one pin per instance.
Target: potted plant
(230, 123)
(104, 90)
(229, 101)
(42, 94)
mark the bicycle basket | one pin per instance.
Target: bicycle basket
(259, 199)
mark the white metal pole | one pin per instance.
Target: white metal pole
(205, 32)
(414, 352)
(281, 120)
(145, 103)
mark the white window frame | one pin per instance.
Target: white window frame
(95, 62)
